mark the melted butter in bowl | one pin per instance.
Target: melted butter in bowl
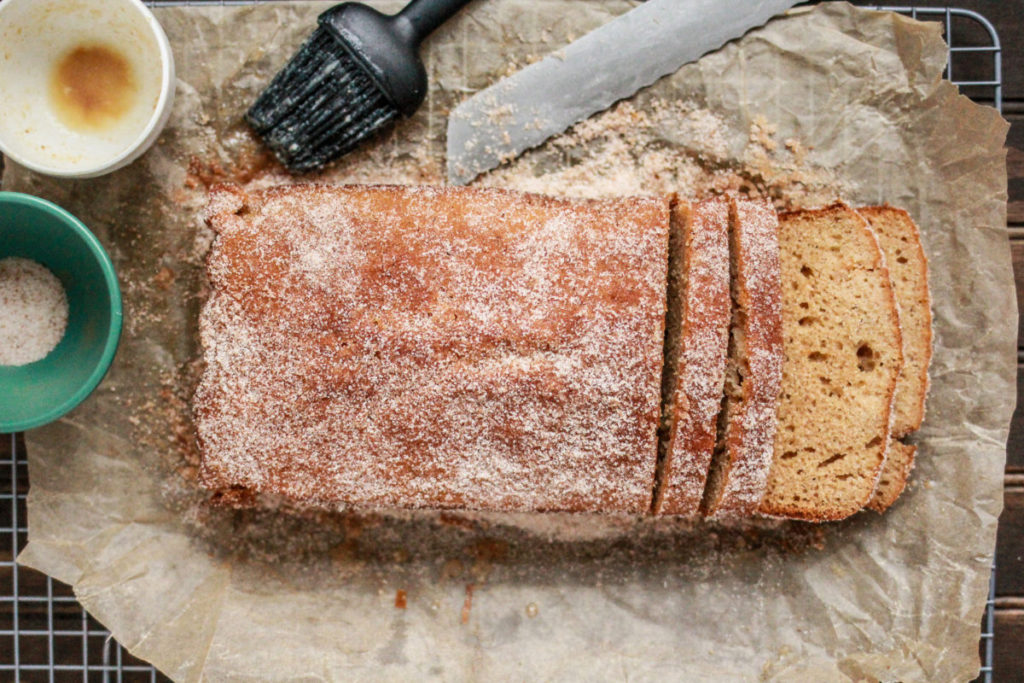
(93, 87)
(86, 86)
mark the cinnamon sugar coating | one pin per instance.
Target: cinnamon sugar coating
(696, 353)
(385, 346)
(739, 473)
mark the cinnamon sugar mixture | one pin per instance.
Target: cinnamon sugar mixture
(664, 148)
(440, 348)
(698, 355)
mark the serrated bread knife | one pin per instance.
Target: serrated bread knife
(589, 75)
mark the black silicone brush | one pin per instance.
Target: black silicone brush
(358, 72)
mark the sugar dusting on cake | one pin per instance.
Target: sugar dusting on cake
(423, 347)
(748, 428)
(705, 322)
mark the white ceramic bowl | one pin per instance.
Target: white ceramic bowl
(35, 35)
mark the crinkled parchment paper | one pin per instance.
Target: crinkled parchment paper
(207, 593)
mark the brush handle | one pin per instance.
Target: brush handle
(420, 17)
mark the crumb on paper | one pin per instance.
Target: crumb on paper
(164, 278)
(467, 605)
(763, 133)
(666, 147)
(451, 569)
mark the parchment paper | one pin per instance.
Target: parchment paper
(274, 595)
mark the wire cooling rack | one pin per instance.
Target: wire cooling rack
(45, 635)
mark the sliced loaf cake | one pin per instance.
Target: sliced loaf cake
(746, 429)
(842, 358)
(697, 331)
(900, 241)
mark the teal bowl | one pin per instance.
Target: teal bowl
(32, 395)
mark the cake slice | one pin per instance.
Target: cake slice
(697, 334)
(842, 358)
(900, 240)
(746, 429)
(899, 460)
(419, 347)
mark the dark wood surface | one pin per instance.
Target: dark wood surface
(1008, 18)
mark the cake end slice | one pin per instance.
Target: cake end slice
(900, 240)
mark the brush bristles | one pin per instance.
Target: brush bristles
(320, 106)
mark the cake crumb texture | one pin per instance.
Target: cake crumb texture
(842, 357)
(900, 240)
(899, 461)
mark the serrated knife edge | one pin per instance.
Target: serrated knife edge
(608, 64)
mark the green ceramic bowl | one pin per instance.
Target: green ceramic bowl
(40, 392)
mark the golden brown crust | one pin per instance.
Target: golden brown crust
(899, 461)
(427, 347)
(700, 368)
(839, 318)
(740, 471)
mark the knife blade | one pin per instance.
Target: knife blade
(589, 75)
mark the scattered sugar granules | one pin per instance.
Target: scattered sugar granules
(668, 146)
(33, 311)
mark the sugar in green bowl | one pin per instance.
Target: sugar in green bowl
(34, 394)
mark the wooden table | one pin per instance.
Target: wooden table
(1008, 18)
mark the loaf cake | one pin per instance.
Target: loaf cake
(746, 427)
(900, 241)
(433, 347)
(842, 358)
(696, 343)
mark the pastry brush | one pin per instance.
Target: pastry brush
(359, 71)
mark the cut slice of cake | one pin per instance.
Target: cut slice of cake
(899, 461)
(900, 240)
(842, 358)
(746, 428)
(420, 347)
(695, 351)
